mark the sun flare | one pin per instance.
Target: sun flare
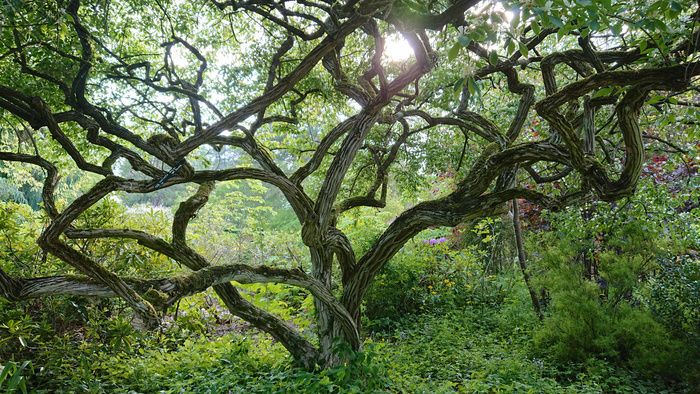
(396, 49)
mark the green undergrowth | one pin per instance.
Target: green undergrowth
(232, 363)
(483, 351)
(473, 350)
(457, 330)
(439, 318)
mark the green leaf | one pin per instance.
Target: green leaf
(510, 46)
(6, 371)
(603, 92)
(453, 52)
(642, 45)
(457, 87)
(657, 98)
(523, 49)
(616, 29)
(566, 29)
(478, 34)
(18, 381)
(493, 58)
(556, 21)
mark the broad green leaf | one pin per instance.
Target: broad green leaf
(657, 98)
(603, 92)
(454, 51)
(555, 21)
(464, 40)
(523, 49)
(493, 57)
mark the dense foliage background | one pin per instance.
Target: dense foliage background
(616, 284)
(443, 316)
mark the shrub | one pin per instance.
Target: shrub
(606, 317)
(430, 277)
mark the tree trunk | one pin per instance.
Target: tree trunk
(521, 260)
(322, 260)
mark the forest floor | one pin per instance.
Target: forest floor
(474, 350)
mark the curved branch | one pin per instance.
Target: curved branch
(669, 78)
(539, 179)
(49, 241)
(205, 276)
(466, 121)
(49, 182)
(320, 152)
(48, 119)
(202, 279)
(187, 210)
(282, 87)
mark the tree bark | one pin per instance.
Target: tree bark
(522, 262)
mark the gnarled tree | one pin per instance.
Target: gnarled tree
(314, 94)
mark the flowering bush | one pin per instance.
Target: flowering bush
(435, 241)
